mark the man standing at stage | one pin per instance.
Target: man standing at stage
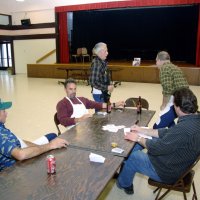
(100, 75)
(171, 79)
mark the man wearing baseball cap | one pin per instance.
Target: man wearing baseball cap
(13, 148)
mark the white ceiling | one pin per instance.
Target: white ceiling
(12, 6)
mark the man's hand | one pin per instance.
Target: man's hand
(132, 136)
(83, 118)
(58, 143)
(110, 88)
(136, 128)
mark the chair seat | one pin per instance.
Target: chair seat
(187, 180)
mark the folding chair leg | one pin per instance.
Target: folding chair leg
(194, 197)
(159, 190)
(163, 194)
(156, 190)
(184, 195)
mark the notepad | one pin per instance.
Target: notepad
(96, 158)
(117, 150)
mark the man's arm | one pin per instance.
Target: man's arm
(32, 151)
(166, 80)
(64, 112)
(165, 100)
(135, 138)
(146, 131)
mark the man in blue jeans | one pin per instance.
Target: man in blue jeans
(99, 74)
(171, 151)
(12, 148)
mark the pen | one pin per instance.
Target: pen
(136, 122)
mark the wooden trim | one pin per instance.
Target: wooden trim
(13, 58)
(142, 74)
(31, 26)
(45, 56)
(35, 36)
(5, 38)
(27, 37)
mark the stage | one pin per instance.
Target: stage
(147, 72)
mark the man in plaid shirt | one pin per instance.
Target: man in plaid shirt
(100, 75)
(171, 79)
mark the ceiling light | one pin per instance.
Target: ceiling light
(19, 0)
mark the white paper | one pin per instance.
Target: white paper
(127, 130)
(102, 113)
(112, 128)
(96, 158)
(117, 150)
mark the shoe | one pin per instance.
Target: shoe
(127, 190)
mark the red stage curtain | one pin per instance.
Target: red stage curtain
(64, 48)
(123, 4)
(63, 38)
(198, 42)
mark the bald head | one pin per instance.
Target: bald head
(162, 57)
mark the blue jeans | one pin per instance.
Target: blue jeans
(166, 120)
(98, 98)
(50, 136)
(138, 161)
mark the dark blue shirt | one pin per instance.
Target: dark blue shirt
(176, 148)
(8, 141)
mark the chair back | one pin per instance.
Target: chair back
(79, 51)
(132, 102)
(183, 184)
(57, 123)
(84, 51)
(188, 170)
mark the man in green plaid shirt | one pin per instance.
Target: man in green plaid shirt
(171, 79)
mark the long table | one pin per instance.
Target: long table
(89, 134)
(84, 71)
(76, 177)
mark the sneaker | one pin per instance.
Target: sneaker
(127, 190)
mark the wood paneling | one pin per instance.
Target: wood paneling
(31, 26)
(144, 74)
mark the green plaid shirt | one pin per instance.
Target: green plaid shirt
(171, 78)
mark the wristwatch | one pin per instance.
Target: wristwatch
(139, 139)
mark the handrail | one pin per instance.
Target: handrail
(45, 56)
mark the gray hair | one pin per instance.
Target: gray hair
(68, 81)
(163, 56)
(98, 47)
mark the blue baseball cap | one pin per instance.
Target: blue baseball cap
(5, 105)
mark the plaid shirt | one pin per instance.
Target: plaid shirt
(171, 78)
(99, 75)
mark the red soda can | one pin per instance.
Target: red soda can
(51, 164)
